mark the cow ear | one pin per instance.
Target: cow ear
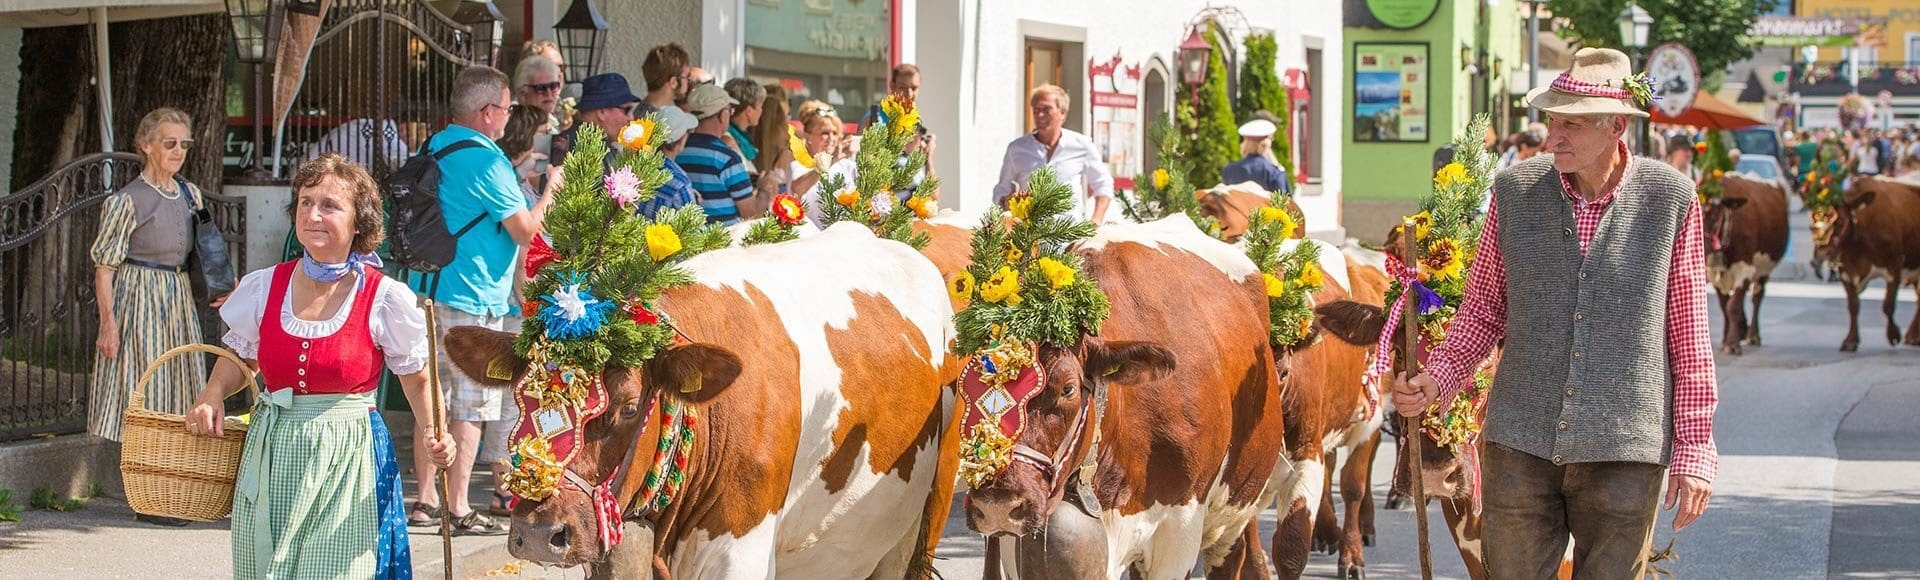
(1351, 322)
(1732, 202)
(484, 355)
(1126, 362)
(1859, 198)
(696, 372)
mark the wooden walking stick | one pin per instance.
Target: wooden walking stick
(1410, 364)
(439, 426)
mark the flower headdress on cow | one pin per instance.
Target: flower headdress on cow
(1824, 188)
(1167, 191)
(1446, 234)
(871, 199)
(1024, 290)
(1292, 274)
(595, 277)
(1713, 161)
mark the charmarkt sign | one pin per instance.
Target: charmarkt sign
(1790, 31)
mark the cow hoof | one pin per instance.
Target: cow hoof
(1850, 346)
(1753, 340)
(1354, 573)
(1893, 336)
(1366, 540)
(1731, 348)
(1396, 502)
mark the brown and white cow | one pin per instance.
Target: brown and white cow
(1328, 416)
(817, 370)
(1745, 232)
(1233, 206)
(1190, 437)
(1875, 233)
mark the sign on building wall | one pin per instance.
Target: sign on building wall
(1115, 94)
(831, 28)
(1390, 92)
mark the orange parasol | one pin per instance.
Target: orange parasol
(1708, 112)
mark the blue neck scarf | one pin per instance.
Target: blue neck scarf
(329, 273)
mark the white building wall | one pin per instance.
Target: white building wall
(972, 57)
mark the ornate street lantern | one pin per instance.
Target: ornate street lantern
(1634, 26)
(483, 19)
(255, 26)
(1193, 57)
(583, 39)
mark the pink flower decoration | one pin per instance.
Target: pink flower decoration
(623, 186)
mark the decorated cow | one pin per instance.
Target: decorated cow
(1122, 410)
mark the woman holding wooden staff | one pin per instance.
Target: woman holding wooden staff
(318, 494)
(1590, 270)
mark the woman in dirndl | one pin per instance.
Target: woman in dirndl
(140, 281)
(318, 494)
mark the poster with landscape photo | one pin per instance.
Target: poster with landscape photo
(1390, 92)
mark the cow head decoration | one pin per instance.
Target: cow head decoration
(1840, 219)
(1716, 223)
(579, 472)
(1032, 424)
(594, 365)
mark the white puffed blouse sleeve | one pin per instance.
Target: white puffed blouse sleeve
(244, 310)
(399, 327)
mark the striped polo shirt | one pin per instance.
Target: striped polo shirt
(719, 176)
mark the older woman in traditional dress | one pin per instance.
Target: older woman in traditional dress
(140, 281)
(318, 495)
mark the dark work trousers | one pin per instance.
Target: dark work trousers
(1531, 506)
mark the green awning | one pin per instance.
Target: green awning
(1787, 31)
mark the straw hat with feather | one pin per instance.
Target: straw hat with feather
(1601, 82)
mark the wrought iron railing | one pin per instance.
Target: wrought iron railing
(48, 317)
(1828, 78)
(377, 83)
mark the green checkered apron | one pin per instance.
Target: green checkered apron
(304, 503)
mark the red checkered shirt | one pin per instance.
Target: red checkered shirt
(1482, 321)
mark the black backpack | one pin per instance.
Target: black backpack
(421, 241)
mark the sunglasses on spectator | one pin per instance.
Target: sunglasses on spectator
(182, 144)
(552, 87)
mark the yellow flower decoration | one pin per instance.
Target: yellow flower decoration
(1276, 287)
(847, 197)
(799, 148)
(662, 241)
(1013, 254)
(1160, 178)
(1718, 172)
(1274, 214)
(1310, 277)
(961, 287)
(1058, 273)
(1449, 175)
(1020, 205)
(1443, 261)
(1004, 286)
(921, 205)
(902, 117)
(637, 134)
(1422, 225)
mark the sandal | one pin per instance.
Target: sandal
(502, 505)
(422, 515)
(477, 524)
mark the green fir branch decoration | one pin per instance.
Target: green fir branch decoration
(1025, 285)
(1292, 275)
(1825, 186)
(1714, 164)
(610, 249)
(1449, 222)
(880, 172)
(768, 230)
(1166, 191)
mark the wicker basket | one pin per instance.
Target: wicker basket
(170, 472)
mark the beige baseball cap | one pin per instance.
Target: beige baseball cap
(708, 100)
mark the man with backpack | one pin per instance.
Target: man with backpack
(486, 221)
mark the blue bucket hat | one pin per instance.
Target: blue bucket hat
(605, 90)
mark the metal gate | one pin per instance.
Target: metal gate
(377, 83)
(48, 316)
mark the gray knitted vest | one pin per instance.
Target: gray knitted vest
(1584, 376)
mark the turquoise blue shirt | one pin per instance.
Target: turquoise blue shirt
(477, 181)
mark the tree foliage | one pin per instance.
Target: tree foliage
(1213, 136)
(1712, 29)
(1262, 90)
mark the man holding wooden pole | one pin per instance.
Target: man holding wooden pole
(1606, 383)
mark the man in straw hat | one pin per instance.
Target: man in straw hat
(1606, 383)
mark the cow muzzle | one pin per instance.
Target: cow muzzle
(1002, 509)
(546, 531)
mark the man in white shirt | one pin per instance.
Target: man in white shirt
(1072, 156)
